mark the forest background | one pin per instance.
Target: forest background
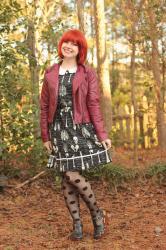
(127, 47)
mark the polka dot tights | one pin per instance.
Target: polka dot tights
(73, 186)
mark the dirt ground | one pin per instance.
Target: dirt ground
(35, 218)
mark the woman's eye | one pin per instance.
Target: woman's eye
(72, 43)
(75, 44)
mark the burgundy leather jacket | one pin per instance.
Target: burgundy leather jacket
(85, 93)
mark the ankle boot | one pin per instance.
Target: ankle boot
(98, 222)
(77, 233)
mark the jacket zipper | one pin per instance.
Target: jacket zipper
(82, 107)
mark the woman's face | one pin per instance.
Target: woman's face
(69, 49)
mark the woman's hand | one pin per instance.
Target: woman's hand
(48, 146)
(106, 143)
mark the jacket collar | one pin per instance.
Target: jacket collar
(53, 75)
(62, 71)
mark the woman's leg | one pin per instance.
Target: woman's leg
(84, 189)
(71, 197)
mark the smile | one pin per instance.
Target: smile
(67, 50)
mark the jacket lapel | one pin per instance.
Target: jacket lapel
(78, 78)
(53, 78)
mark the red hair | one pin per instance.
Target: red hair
(77, 37)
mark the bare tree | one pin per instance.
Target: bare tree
(80, 13)
(33, 66)
(156, 69)
(134, 11)
(103, 64)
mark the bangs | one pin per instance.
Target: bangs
(70, 38)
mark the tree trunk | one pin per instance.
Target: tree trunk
(132, 14)
(80, 14)
(128, 130)
(141, 125)
(155, 64)
(34, 72)
(133, 93)
(1, 132)
(103, 64)
(92, 33)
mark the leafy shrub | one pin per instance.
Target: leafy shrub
(115, 175)
(157, 172)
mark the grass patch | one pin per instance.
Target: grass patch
(157, 172)
(10, 172)
(117, 175)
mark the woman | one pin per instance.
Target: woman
(72, 127)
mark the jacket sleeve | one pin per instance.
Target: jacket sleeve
(44, 109)
(93, 105)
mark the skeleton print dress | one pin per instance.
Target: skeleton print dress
(75, 146)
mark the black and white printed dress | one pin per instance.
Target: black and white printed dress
(75, 146)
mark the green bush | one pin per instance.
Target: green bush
(115, 175)
(157, 172)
